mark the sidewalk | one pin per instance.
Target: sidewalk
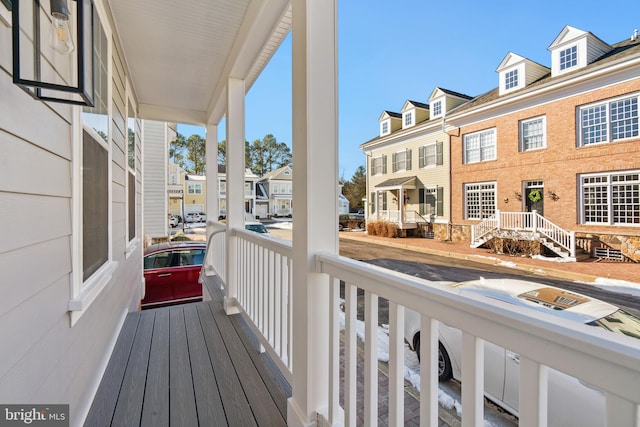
(590, 270)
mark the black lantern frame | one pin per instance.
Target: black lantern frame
(81, 70)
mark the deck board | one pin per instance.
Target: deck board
(187, 365)
(155, 408)
(106, 398)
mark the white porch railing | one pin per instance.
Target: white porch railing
(530, 222)
(408, 216)
(604, 360)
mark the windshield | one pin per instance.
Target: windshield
(620, 322)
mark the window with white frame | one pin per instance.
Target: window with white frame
(610, 198)
(193, 188)
(384, 128)
(430, 155)
(609, 121)
(480, 146)
(95, 198)
(568, 58)
(511, 79)
(378, 165)
(402, 160)
(131, 172)
(533, 134)
(437, 108)
(408, 118)
(479, 200)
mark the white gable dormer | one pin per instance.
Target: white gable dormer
(389, 122)
(443, 100)
(516, 72)
(573, 49)
(413, 113)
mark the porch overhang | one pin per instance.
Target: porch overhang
(181, 55)
(405, 183)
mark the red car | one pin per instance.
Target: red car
(171, 272)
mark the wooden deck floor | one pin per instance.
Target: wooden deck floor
(189, 365)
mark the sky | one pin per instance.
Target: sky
(393, 51)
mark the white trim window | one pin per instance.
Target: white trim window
(609, 121)
(384, 127)
(379, 165)
(480, 146)
(533, 134)
(402, 160)
(480, 200)
(568, 58)
(511, 79)
(437, 109)
(610, 198)
(430, 155)
(193, 188)
(408, 118)
(93, 264)
(132, 137)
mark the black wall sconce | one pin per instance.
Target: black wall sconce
(53, 55)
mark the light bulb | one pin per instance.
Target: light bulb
(60, 35)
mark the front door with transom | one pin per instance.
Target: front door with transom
(534, 197)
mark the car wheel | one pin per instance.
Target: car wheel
(340, 227)
(361, 226)
(445, 371)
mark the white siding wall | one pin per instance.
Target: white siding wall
(155, 180)
(44, 359)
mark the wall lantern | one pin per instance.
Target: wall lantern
(53, 49)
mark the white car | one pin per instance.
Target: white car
(173, 221)
(570, 402)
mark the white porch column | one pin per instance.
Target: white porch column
(315, 192)
(213, 203)
(235, 184)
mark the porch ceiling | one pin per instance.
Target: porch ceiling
(181, 54)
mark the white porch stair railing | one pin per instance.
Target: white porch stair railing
(530, 225)
(606, 361)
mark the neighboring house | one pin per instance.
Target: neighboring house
(175, 189)
(250, 194)
(278, 185)
(157, 136)
(343, 202)
(195, 190)
(408, 166)
(561, 141)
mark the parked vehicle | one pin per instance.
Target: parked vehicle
(173, 221)
(171, 273)
(570, 401)
(351, 221)
(256, 226)
(196, 217)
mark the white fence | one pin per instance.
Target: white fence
(606, 361)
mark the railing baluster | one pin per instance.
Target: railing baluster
(428, 371)
(336, 415)
(472, 381)
(371, 359)
(533, 393)
(396, 364)
(350, 354)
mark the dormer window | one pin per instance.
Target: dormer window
(569, 58)
(384, 128)
(408, 119)
(437, 108)
(511, 79)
